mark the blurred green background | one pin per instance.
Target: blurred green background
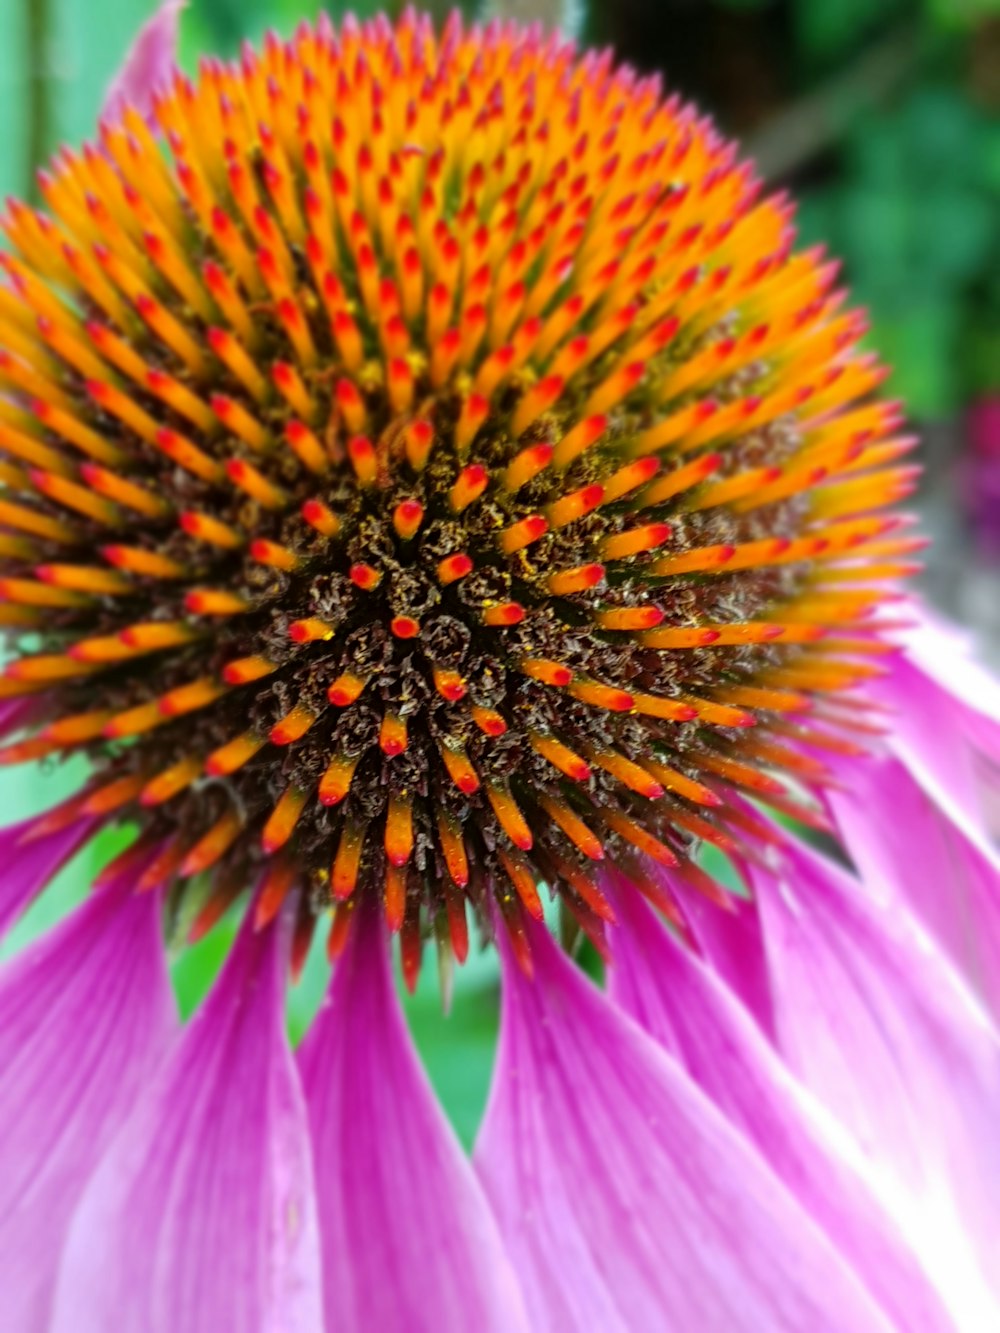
(880, 115)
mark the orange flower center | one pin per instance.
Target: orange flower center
(436, 473)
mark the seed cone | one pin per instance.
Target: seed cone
(434, 472)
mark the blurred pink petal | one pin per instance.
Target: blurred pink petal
(944, 712)
(627, 1200)
(691, 1012)
(873, 1020)
(903, 844)
(68, 1082)
(30, 860)
(408, 1238)
(730, 943)
(946, 654)
(201, 1216)
(941, 736)
(148, 64)
(14, 713)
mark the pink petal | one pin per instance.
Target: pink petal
(148, 64)
(627, 1200)
(729, 941)
(906, 847)
(201, 1216)
(873, 1020)
(936, 734)
(691, 1012)
(408, 1239)
(14, 713)
(30, 861)
(85, 1014)
(944, 654)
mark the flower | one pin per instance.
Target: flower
(433, 476)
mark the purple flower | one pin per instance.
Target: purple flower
(436, 482)
(149, 64)
(980, 474)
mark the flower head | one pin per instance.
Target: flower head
(432, 475)
(426, 474)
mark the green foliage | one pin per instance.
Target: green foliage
(826, 30)
(960, 14)
(14, 80)
(916, 218)
(193, 968)
(85, 45)
(457, 1048)
(28, 792)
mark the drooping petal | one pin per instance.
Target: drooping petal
(907, 846)
(409, 1242)
(873, 1019)
(729, 940)
(201, 1215)
(148, 64)
(85, 1015)
(945, 655)
(15, 712)
(940, 738)
(690, 1011)
(30, 859)
(943, 713)
(627, 1200)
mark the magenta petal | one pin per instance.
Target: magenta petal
(29, 862)
(729, 941)
(936, 735)
(906, 847)
(85, 1014)
(692, 1013)
(148, 64)
(627, 1200)
(201, 1216)
(943, 655)
(14, 713)
(408, 1239)
(872, 1018)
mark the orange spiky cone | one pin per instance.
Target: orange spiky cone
(444, 450)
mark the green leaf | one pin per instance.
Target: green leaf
(942, 135)
(962, 13)
(954, 232)
(196, 966)
(67, 889)
(828, 29)
(817, 219)
(989, 159)
(14, 89)
(921, 346)
(28, 791)
(719, 866)
(876, 151)
(981, 357)
(88, 43)
(876, 235)
(458, 1048)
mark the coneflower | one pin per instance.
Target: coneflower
(455, 476)
(433, 478)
